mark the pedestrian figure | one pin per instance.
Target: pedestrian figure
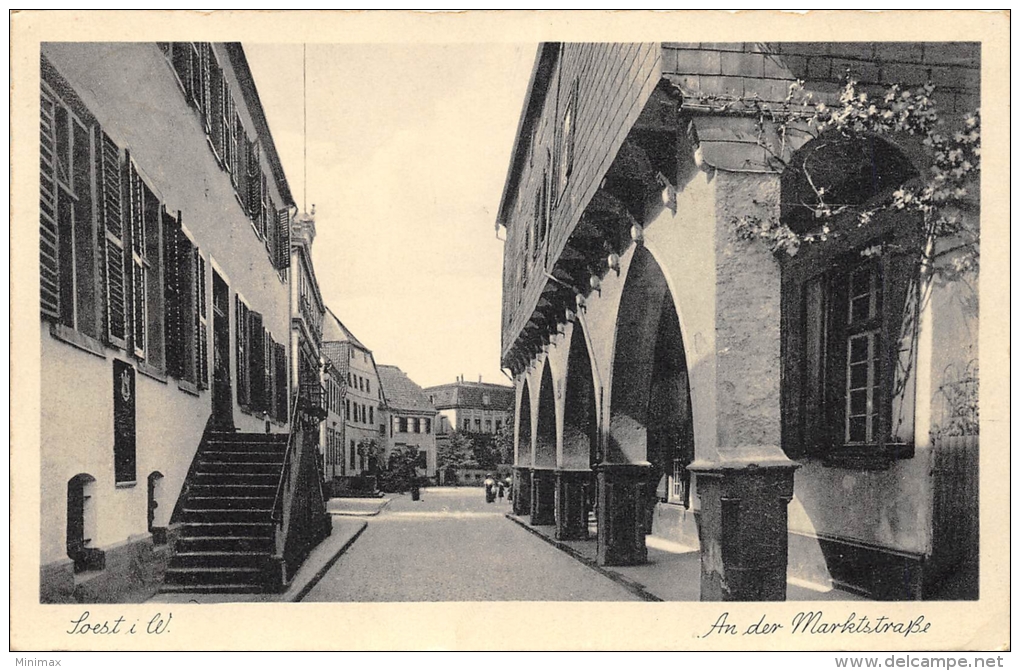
(502, 490)
(490, 488)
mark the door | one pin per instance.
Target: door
(222, 396)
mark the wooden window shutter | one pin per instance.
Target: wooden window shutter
(154, 303)
(201, 321)
(272, 242)
(173, 297)
(267, 371)
(256, 354)
(241, 316)
(196, 74)
(254, 182)
(206, 66)
(283, 238)
(181, 60)
(111, 239)
(240, 152)
(136, 230)
(188, 296)
(265, 214)
(49, 270)
(216, 105)
(282, 379)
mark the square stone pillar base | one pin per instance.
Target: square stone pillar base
(622, 493)
(571, 504)
(743, 529)
(543, 496)
(522, 490)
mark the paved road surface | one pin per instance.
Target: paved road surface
(452, 546)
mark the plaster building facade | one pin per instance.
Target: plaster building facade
(409, 418)
(787, 415)
(472, 407)
(164, 271)
(357, 421)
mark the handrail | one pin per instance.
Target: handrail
(278, 500)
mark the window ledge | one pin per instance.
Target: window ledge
(187, 387)
(77, 339)
(127, 484)
(150, 371)
(868, 457)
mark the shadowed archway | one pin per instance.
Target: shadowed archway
(575, 484)
(651, 429)
(543, 475)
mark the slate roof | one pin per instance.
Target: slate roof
(333, 330)
(401, 392)
(469, 395)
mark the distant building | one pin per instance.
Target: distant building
(409, 417)
(355, 420)
(473, 407)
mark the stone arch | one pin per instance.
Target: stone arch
(650, 389)
(545, 432)
(524, 442)
(580, 420)
(853, 168)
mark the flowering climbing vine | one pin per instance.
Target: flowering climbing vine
(940, 195)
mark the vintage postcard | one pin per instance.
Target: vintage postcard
(503, 331)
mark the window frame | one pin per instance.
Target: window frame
(816, 344)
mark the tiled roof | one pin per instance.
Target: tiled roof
(401, 392)
(469, 395)
(333, 330)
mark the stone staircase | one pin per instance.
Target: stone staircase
(227, 538)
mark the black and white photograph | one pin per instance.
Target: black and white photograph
(503, 312)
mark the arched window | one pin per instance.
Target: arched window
(155, 492)
(847, 303)
(81, 524)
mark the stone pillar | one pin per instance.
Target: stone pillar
(622, 493)
(522, 490)
(743, 528)
(571, 511)
(543, 496)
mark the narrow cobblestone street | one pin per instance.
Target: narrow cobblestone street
(452, 546)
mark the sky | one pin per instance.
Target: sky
(408, 147)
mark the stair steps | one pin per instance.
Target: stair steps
(227, 533)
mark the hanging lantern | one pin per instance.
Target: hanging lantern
(613, 260)
(570, 315)
(637, 233)
(595, 283)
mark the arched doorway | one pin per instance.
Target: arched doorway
(524, 457)
(543, 479)
(651, 431)
(575, 484)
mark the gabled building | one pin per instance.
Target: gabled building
(473, 407)
(357, 420)
(409, 417)
(782, 413)
(165, 220)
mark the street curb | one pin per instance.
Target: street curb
(303, 592)
(360, 513)
(635, 588)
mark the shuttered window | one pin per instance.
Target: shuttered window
(283, 239)
(114, 281)
(255, 181)
(182, 295)
(256, 362)
(49, 279)
(282, 379)
(242, 330)
(202, 321)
